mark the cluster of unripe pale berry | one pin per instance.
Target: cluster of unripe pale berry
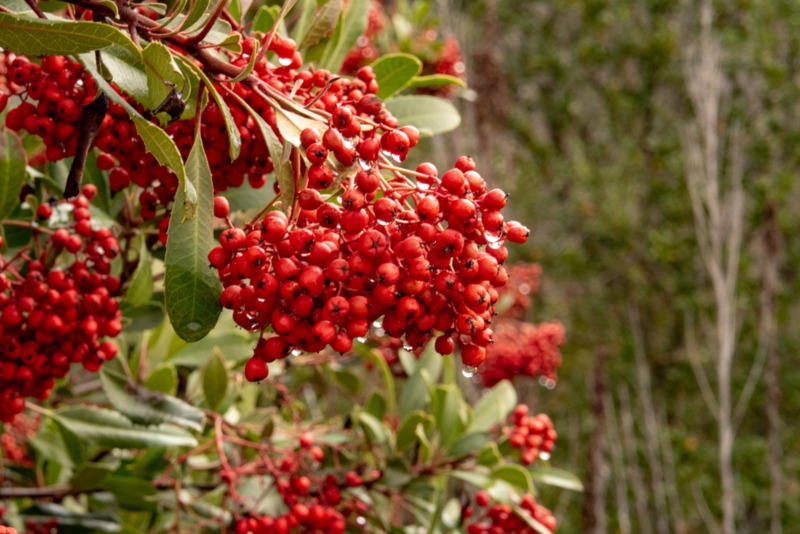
(497, 518)
(533, 435)
(53, 314)
(315, 502)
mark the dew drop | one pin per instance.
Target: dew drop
(361, 521)
(364, 164)
(398, 159)
(383, 223)
(496, 245)
(492, 237)
(377, 323)
(469, 371)
(349, 142)
(193, 326)
(423, 186)
(296, 352)
(361, 339)
(544, 456)
(285, 61)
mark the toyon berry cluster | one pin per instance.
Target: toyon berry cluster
(421, 259)
(58, 304)
(533, 435)
(497, 518)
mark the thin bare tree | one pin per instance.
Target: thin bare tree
(714, 163)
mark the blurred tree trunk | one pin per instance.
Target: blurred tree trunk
(594, 512)
(714, 152)
(772, 245)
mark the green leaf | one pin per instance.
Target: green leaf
(351, 25)
(320, 26)
(284, 175)
(426, 448)
(493, 407)
(215, 381)
(140, 289)
(112, 429)
(435, 80)
(515, 475)
(445, 408)
(376, 405)
(345, 378)
(375, 430)
(191, 287)
(233, 346)
(101, 522)
(140, 318)
(12, 171)
(415, 393)
(394, 72)
(251, 63)
(161, 71)
(127, 72)
(132, 493)
(406, 433)
(265, 18)
(555, 477)
(91, 475)
(148, 407)
(164, 379)
(291, 124)
(234, 139)
(468, 444)
(41, 37)
(431, 115)
(490, 455)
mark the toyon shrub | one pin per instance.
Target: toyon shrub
(197, 197)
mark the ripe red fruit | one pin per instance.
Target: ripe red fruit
(256, 370)
(221, 207)
(44, 211)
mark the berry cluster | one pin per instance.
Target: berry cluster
(53, 95)
(51, 317)
(524, 349)
(417, 257)
(315, 503)
(14, 439)
(532, 435)
(501, 518)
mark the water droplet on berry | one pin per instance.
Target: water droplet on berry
(544, 456)
(469, 371)
(383, 223)
(296, 352)
(362, 339)
(423, 186)
(361, 521)
(285, 61)
(364, 164)
(377, 323)
(398, 159)
(492, 237)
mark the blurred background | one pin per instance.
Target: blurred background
(652, 148)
